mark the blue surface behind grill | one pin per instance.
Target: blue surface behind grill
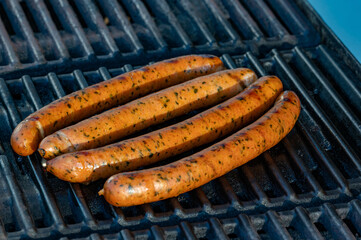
(343, 17)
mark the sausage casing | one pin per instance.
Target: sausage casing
(144, 186)
(221, 120)
(105, 95)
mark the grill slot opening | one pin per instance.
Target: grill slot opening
(215, 193)
(256, 16)
(6, 21)
(213, 25)
(321, 228)
(274, 10)
(187, 23)
(163, 208)
(95, 39)
(189, 200)
(240, 185)
(136, 212)
(54, 15)
(351, 226)
(265, 178)
(29, 17)
(168, 32)
(144, 34)
(96, 203)
(102, 13)
(292, 174)
(240, 21)
(79, 16)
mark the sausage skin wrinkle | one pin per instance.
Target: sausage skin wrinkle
(105, 95)
(228, 117)
(145, 186)
(155, 108)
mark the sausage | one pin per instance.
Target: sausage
(105, 95)
(229, 116)
(145, 186)
(158, 107)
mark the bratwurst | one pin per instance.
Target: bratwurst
(221, 120)
(105, 95)
(156, 108)
(145, 186)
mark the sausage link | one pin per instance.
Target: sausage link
(141, 113)
(105, 95)
(138, 187)
(230, 116)
(158, 107)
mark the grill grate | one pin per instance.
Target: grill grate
(316, 163)
(300, 223)
(302, 189)
(62, 35)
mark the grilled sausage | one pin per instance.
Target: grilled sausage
(153, 109)
(105, 95)
(230, 116)
(138, 187)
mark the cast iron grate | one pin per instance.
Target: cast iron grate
(300, 223)
(316, 163)
(62, 35)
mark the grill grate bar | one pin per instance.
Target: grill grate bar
(246, 228)
(31, 92)
(189, 8)
(135, 7)
(217, 229)
(290, 143)
(274, 227)
(19, 205)
(79, 78)
(283, 183)
(232, 196)
(9, 103)
(41, 14)
(244, 22)
(257, 189)
(162, 8)
(95, 22)
(116, 15)
(187, 230)
(55, 84)
(126, 234)
(266, 18)
(21, 25)
(7, 45)
(71, 23)
(334, 223)
(256, 65)
(291, 17)
(216, 12)
(157, 232)
(355, 214)
(304, 224)
(88, 218)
